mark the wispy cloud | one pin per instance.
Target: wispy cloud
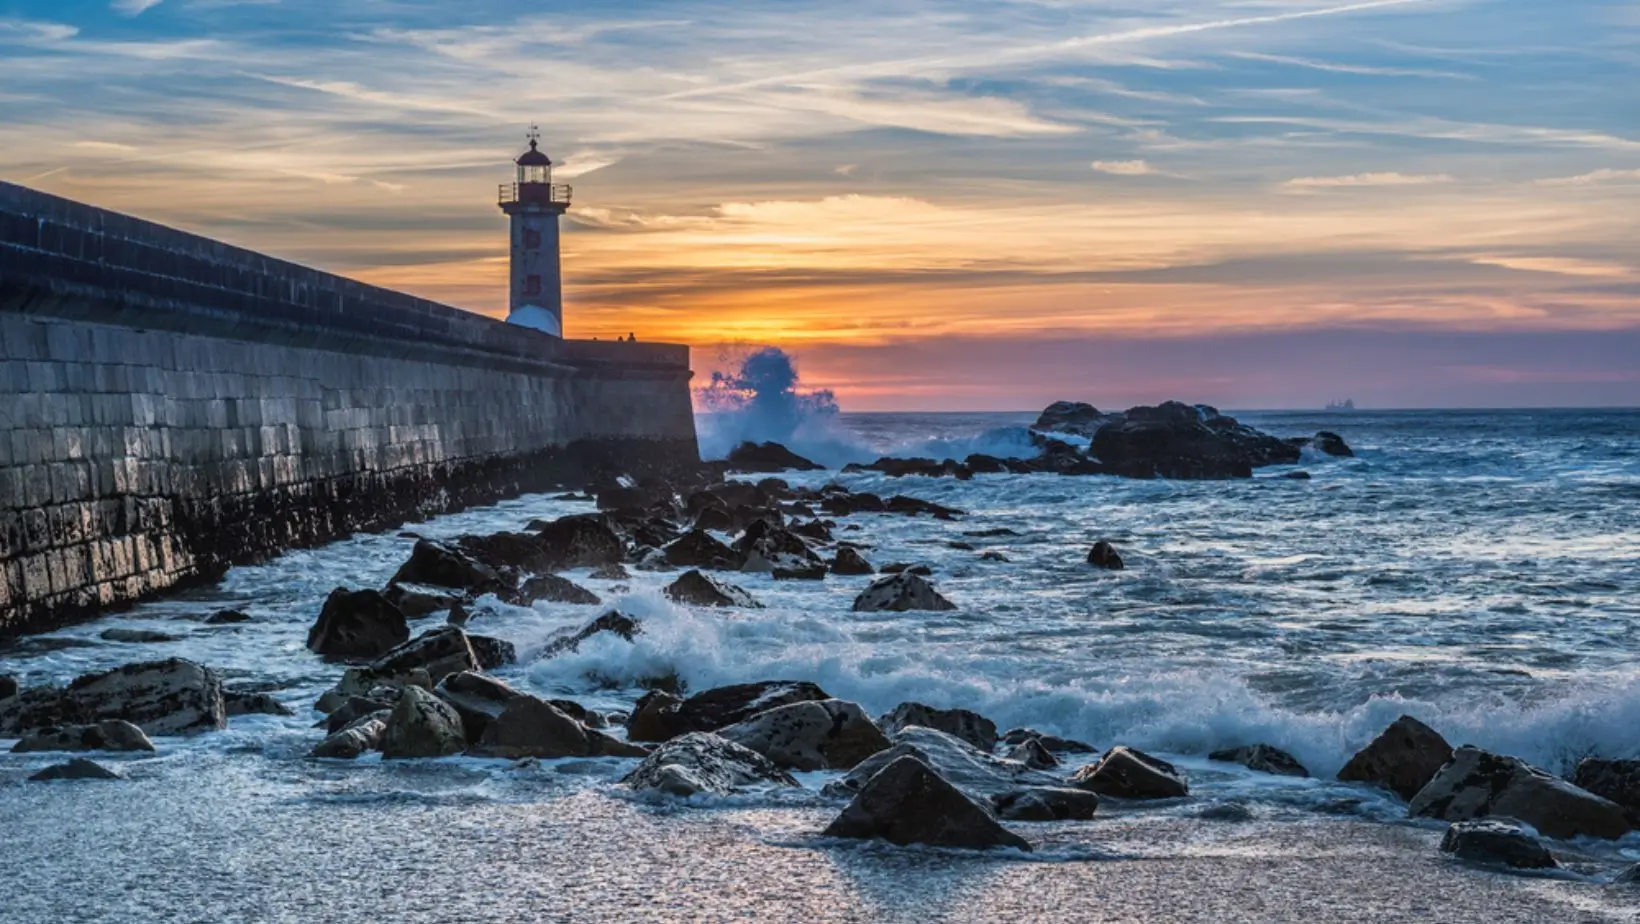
(134, 7)
(1124, 167)
(1594, 177)
(1336, 67)
(1358, 180)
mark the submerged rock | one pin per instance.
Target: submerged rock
(768, 457)
(1494, 840)
(107, 735)
(137, 636)
(77, 769)
(613, 622)
(222, 618)
(422, 725)
(1046, 803)
(554, 589)
(1129, 773)
(1263, 758)
(901, 593)
(1104, 555)
(967, 726)
(829, 734)
(359, 625)
(908, 803)
(1475, 784)
(1403, 758)
(697, 588)
(701, 762)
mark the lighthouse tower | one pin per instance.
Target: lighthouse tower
(534, 204)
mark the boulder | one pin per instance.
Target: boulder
(1475, 784)
(581, 541)
(171, 697)
(357, 625)
(850, 561)
(974, 771)
(77, 769)
(715, 518)
(422, 725)
(900, 593)
(137, 636)
(830, 734)
(812, 530)
(442, 566)
(912, 506)
(1014, 737)
(554, 589)
(981, 464)
(1034, 754)
(1402, 759)
(355, 738)
(901, 567)
(1176, 440)
(244, 702)
(1129, 773)
(1104, 555)
(355, 708)
(476, 698)
(908, 803)
(697, 549)
(697, 588)
(613, 622)
(221, 618)
(967, 726)
(107, 735)
(701, 762)
(492, 652)
(659, 716)
(8, 686)
(767, 547)
(1075, 417)
(1046, 803)
(1263, 758)
(768, 457)
(1332, 444)
(531, 727)
(1496, 840)
(440, 652)
(612, 572)
(808, 573)
(1617, 780)
(416, 600)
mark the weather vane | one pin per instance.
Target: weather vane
(534, 133)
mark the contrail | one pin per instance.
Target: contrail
(1031, 51)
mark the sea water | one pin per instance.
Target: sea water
(1478, 570)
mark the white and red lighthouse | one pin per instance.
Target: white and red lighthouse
(534, 204)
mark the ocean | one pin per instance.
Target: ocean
(1479, 570)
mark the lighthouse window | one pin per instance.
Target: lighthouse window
(532, 238)
(532, 285)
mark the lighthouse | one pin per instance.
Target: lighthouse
(534, 204)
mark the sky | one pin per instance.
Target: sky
(961, 204)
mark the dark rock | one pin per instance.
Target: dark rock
(614, 572)
(530, 727)
(655, 717)
(814, 530)
(355, 708)
(433, 563)
(962, 724)
(974, 771)
(170, 697)
(1071, 417)
(137, 636)
(1178, 440)
(908, 803)
(901, 567)
(768, 457)
(701, 762)
(659, 716)
(995, 532)
(994, 556)
(849, 561)
(1402, 759)
(107, 735)
(900, 593)
(981, 464)
(697, 549)
(1617, 780)
(715, 518)
(1263, 758)
(1298, 476)
(476, 698)
(766, 547)
(422, 725)
(492, 652)
(1332, 444)
(911, 506)
(699, 589)
(553, 588)
(1128, 773)
(1104, 555)
(416, 601)
(77, 769)
(829, 734)
(1496, 841)
(581, 541)
(504, 552)
(440, 652)
(1034, 754)
(355, 738)
(960, 546)
(1475, 784)
(239, 702)
(358, 624)
(8, 686)
(1014, 737)
(614, 622)
(811, 573)
(1046, 803)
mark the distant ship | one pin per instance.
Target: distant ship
(1348, 404)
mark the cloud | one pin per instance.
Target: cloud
(1312, 183)
(1361, 69)
(1604, 175)
(1124, 167)
(1560, 266)
(133, 7)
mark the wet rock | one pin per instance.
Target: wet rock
(829, 734)
(900, 593)
(974, 771)
(660, 716)
(1014, 737)
(1332, 444)
(77, 769)
(416, 601)
(358, 625)
(981, 464)
(912, 506)
(1176, 440)
(226, 618)
(581, 541)
(850, 561)
(476, 698)
(655, 717)
(697, 549)
(1402, 759)
(901, 567)
(813, 530)
(355, 708)
(908, 803)
(1104, 555)
(1497, 841)
(492, 652)
(993, 556)
(696, 588)
(171, 697)
(1129, 773)
(137, 636)
(422, 725)
(965, 725)
(1263, 758)
(615, 572)
(8, 686)
(552, 588)
(1046, 803)
(701, 762)
(442, 566)
(440, 652)
(613, 622)
(811, 573)
(766, 547)
(531, 727)
(1034, 754)
(1617, 780)
(715, 518)
(107, 735)
(1075, 417)
(768, 457)
(1298, 476)
(504, 552)
(239, 702)
(354, 739)
(1629, 877)
(1475, 784)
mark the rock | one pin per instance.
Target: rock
(715, 518)
(440, 652)
(1617, 780)
(900, 593)
(358, 625)
(1403, 758)
(701, 762)
(901, 567)
(8, 686)
(815, 530)
(137, 636)
(1032, 753)
(422, 725)
(768, 457)
(437, 564)
(1074, 417)
(697, 549)
(492, 652)
(1628, 877)
(1014, 737)
(849, 561)
(1496, 841)
(829, 734)
(238, 702)
(77, 769)
(612, 572)
(355, 738)
(613, 622)
(981, 464)
(1128, 773)
(171, 697)
(1104, 555)
(531, 727)
(1176, 440)
(107, 735)
(581, 541)
(967, 726)
(506, 552)
(993, 555)
(476, 698)
(1476, 783)
(1298, 476)
(1046, 803)
(911, 506)
(555, 589)
(699, 589)
(355, 708)
(1263, 758)
(767, 547)
(908, 803)
(974, 771)
(1332, 444)
(660, 716)
(416, 601)
(810, 573)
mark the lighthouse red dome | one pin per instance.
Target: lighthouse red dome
(533, 157)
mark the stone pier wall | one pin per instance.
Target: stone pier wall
(171, 405)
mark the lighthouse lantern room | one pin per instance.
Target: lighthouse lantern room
(534, 203)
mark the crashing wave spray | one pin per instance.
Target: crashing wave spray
(762, 401)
